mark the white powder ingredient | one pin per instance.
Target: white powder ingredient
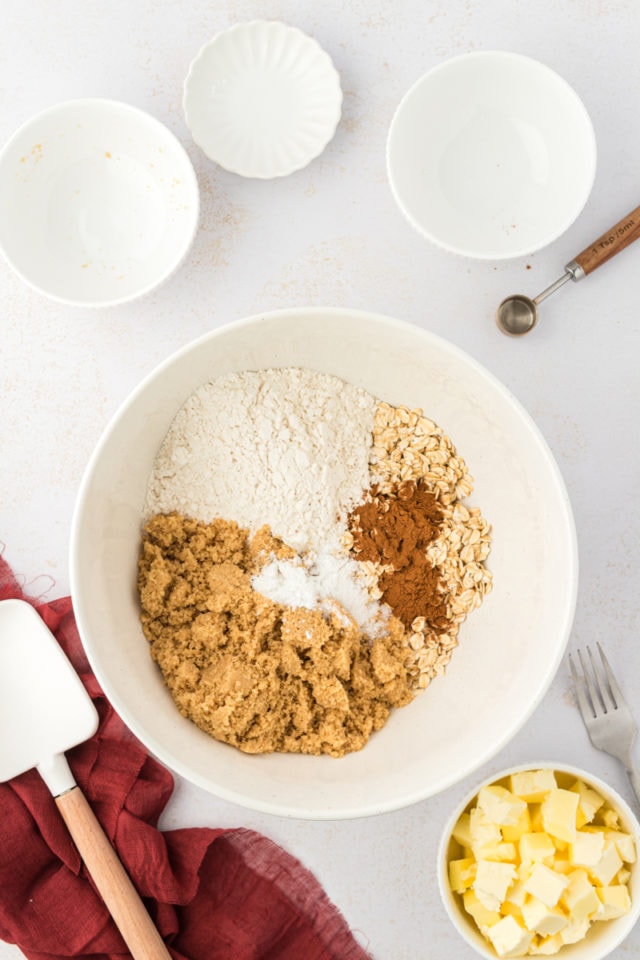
(286, 447)
(309, 580)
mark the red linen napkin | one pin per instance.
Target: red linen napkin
(214, 894)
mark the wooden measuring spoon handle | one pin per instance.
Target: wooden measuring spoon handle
(613, 241)
(113, 883)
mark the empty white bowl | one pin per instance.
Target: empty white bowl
(491, 155)
(262, 99)
(98, 202)
(509, 649)
(603, 936)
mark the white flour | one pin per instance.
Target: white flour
(285, 447)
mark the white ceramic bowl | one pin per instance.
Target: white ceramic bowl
(491, 155)
(98, 202)
(509, 649)
(262, 99)
(603, 936)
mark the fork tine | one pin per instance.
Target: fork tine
(606, 696)
(596, 705)
(583, 701)
(616, 692)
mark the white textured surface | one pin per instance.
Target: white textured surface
(331, 234)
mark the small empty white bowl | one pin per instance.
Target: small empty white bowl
(98, 202)
(491, 155)
(262, 99)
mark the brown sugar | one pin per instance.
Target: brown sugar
(253, 673)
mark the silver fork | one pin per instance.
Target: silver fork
(606, 715)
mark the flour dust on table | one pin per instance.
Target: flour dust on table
(306, 560)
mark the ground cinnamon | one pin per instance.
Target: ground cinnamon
(394, 530)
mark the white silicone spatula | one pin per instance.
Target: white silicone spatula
(45, 710)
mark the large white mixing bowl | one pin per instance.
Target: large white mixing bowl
(509, 649)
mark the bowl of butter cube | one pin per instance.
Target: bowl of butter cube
(541, 860)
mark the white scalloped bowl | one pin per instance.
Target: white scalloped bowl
(262, 99)
(509, 649)
(99, 202)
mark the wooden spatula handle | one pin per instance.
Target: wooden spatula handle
(613, 241)
(116, 889)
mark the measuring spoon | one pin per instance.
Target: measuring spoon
(518, 314)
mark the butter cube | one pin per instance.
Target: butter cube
(580, 898)
(623, 876)
(462, 873)
(461, 832)
(545, 884)
(589, 804)
(610, 818)
(536, 846)
(605, 870)
(575, 930)
(542, 919)
(535, 814)
(512, 832)
(615, 901)
(483, 917)
(624, 844)
(546, 946)
(533, 785)
(587, 848)
(492, 882)
(509, 938)
(482, 831)
(499, 851)
(559, 810)
(509, 909)
(516, 894)
(500, 806)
